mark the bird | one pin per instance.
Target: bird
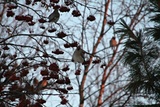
(78, 55)
(42, 84)
(113, 43)
(54, 16)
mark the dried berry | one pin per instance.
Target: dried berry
(45, 55)
(67, 80)
(31, 23)
(45, 42)
(74, 44)
(42, 27)
(60, 81)
(15, 55)
(42, 20)
(54, 1)
(64, 101)
(46, 78)
(28, 18)
(41, 101)
(44, 72)
(96, 61)
(54, 67)
(91, 18)
(20, 17)
(103, 65)
(37, 1)
(61, 35)
(111, 23)
(43, 63)
(10, 13)
(67, 45)
(78, 72)
(11, 6)
(86, 62)
(65, 68)
(69, 88)
(6, 48)
(63, 90)
(64, 9)
(52, 30)
(76, 13)
(28, 2)
(25, 63)
(24, 73)
(54, 76)
(57, 51)
(68, 2)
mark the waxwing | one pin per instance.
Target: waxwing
(78, 55)
(113, 43)
(54, 17)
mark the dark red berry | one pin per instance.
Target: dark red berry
(10, 13)
(76, 13)
(52, 30)
(64, 9)
(42, 20)
(91, 18)
(61, 35)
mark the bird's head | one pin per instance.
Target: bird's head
(78, 47)
(114, 38)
